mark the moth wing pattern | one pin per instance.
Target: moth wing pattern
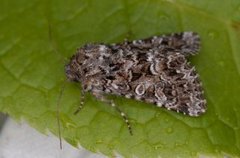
(154, 70)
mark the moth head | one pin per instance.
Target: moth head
(74, 66)
(86, 63)
(71, 72)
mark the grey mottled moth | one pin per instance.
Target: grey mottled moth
(154, 70)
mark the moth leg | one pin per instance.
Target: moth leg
(112, 104)
(123, 116)
(82, 99)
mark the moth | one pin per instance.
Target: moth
(154, 70)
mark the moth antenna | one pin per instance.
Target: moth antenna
(58, 113)
(65, 60)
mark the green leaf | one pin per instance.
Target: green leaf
(36, 36)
